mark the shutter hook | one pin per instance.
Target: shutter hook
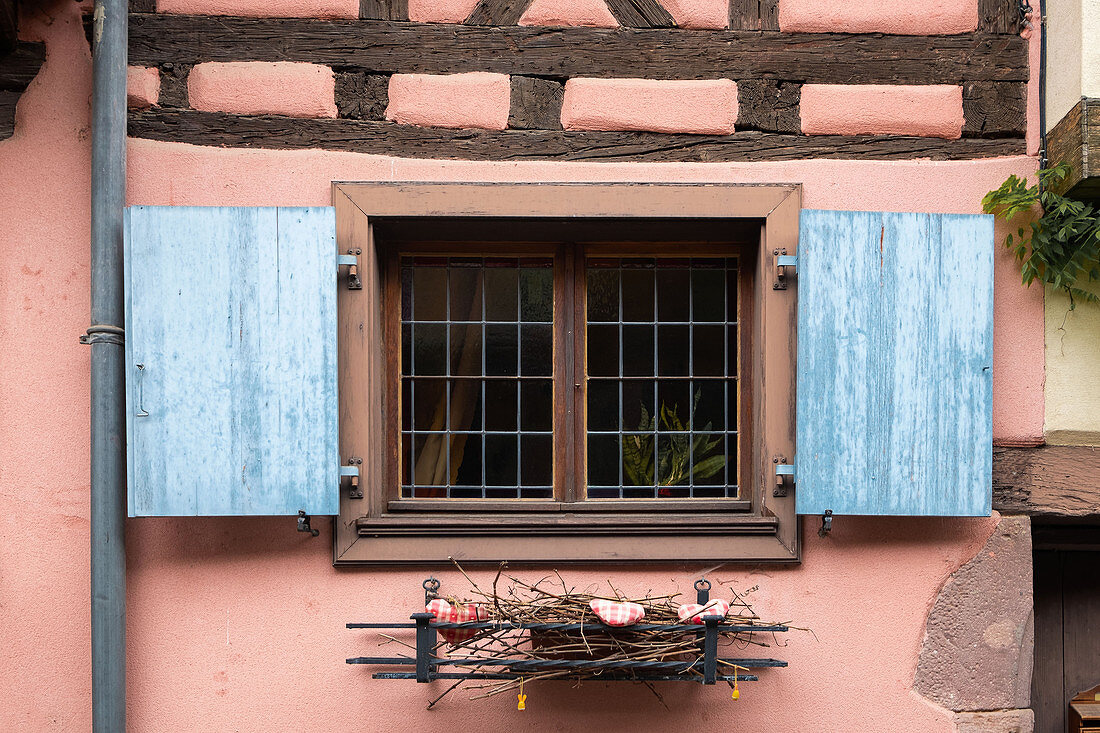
(303, 524)
(826, 523)
(141, 392)
(431, 589)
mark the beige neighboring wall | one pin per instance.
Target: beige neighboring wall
(1073, 370)
(1073, 55)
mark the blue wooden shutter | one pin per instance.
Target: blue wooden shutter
(232, 313)
(895, 356)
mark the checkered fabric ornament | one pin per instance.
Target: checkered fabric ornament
(446, 613)
(696, 611)
(613, 613)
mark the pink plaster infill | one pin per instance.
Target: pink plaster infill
(142, 86)
(440, 11)
(258, 88)
(902, 17)
(882, 109)
(569, 13)
(263, 8)
(477, 99)
(700, 14)
(703, 107)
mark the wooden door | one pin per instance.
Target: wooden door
(1067, 632)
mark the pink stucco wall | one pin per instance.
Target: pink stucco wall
(237, 624)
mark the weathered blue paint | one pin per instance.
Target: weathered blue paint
(895, 356)
(232, 312)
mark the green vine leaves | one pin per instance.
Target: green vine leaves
(1060, 248)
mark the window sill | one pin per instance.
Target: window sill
(558, 537)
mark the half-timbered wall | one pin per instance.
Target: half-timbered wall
(237, 623)
(571, 80)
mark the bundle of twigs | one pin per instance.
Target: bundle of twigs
(587, 649)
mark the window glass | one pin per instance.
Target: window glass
(477, 377)
(661, 378)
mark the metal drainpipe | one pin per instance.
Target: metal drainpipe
(1043, 84)
(108, 433)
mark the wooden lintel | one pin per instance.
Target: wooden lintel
(380, 138)
(383, 46)
(1047, 481)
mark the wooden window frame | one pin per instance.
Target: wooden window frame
(371, 531)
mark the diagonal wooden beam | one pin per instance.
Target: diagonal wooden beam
(497, 12)
(640, 14)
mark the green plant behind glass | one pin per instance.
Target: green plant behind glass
(675, 452)
(1062, 246)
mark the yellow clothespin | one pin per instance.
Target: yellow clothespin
(522, 698)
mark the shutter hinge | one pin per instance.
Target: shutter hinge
(782, 262)
(782, 469)
(352, 471)
(351, 261)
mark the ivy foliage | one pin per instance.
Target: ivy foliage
(1060, 248)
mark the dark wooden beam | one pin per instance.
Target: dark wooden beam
(286, 133)
(8, 100)
(362, 96)
(994, 109)
(19, 67)
(384, 9)
(672, 53)
(173, 85)
(1050, 481)
(535, 103)
(999, 16)
(754, 15)
(640, 14)
(143, 6)
(9, 26)
(768, 105)
(497, 12)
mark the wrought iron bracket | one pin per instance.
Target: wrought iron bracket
(351, 470)
(783, 261)
(351, 261)
(303, 524)
(826, 523)
(782, 470)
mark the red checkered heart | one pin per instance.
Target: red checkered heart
(446, 613)
(613, 613)
(696, 611)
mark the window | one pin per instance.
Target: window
(588, 390)
(571, 407)
(653, 376)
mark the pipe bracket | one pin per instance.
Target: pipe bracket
(102, 334)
